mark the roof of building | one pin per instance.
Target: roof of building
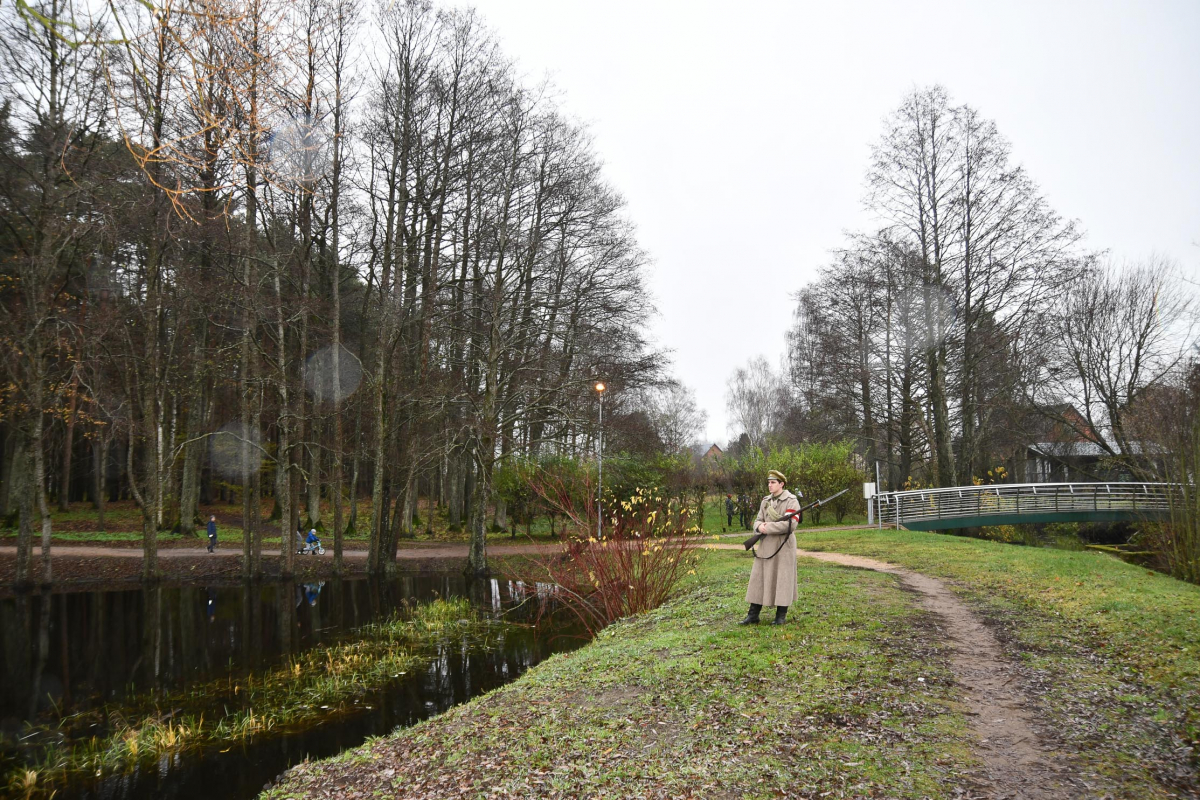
(1089, 449)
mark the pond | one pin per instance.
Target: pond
(67, 654)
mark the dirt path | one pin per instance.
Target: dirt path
(60, 551)
(101, 566)
(1018, 764)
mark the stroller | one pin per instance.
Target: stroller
(310, 546)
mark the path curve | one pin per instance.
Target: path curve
(1018, 764)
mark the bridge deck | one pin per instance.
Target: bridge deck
(1008, 504)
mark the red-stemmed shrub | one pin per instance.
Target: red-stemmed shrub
(647, 545)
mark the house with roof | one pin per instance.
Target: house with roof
(706, 454)
(1068, 449)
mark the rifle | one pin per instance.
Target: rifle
(793, 515)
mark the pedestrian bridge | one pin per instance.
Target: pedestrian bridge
(1011, 504)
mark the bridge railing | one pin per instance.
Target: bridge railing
(924, 505)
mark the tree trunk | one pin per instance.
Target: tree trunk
(454, 490)
(23, 488)
(888, 391)
(352, 522)
(284, 483)
(864, 370)
(908, 410)
(7, 460)
(147, 504)
(250, 559)
(39, 477)
(477, 564)
(189, 492)
(378, 524)
(408, 505)
(935, 360)
(314, 483)
(255, 491)
(339, 56)
(468, 486)
(64, 486)
(100, 461)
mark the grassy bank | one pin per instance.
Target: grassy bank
(682, 702)
(307, 688)
(853, 698)
(1112, 648)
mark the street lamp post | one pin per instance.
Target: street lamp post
(600, 387)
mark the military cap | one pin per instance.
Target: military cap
(777, 475)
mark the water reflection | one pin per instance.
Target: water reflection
(67, 653)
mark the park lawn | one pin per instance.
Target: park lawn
(715, 520)
(1112, 648)
(682, 702)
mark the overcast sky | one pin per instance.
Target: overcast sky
(740, 135)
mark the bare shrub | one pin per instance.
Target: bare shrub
(1166, 421)
(646, 548)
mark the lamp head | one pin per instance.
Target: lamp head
(600, 387)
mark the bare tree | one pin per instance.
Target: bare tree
(1015, 261)
(54, 116)
(915, 182)
(757, 398)
(1124, 331)
(675, 416)
(454, 232)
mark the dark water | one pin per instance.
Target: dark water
(66, 653)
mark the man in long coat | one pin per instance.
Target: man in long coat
(773, 579)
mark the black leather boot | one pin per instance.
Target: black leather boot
(752, 615)
(780, 615)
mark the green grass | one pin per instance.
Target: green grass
(715, 519)
(309, 687)
(117, 514)
(683, 702)
(1116, 646)
(79, 536)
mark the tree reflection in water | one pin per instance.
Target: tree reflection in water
(66, 653)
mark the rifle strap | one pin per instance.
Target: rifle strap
(781, 544)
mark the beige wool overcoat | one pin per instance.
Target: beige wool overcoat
(773, 580)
